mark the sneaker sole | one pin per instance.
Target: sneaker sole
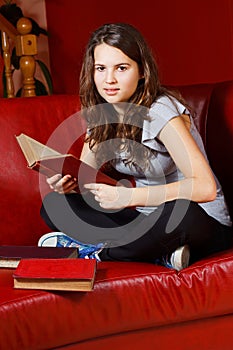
(49, 239)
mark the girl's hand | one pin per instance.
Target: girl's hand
(65, 184)
(110, 197)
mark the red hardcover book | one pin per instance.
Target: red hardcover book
(56, 274)
(69, 164)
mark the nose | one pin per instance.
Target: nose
(110, 76)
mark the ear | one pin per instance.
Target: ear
(142, 76)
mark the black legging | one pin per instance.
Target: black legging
(132, 236)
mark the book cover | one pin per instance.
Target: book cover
(10, 256)
(56, 274)
(50, 162)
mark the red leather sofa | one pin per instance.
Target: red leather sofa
(133, 305)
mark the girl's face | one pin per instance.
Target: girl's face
(116, 76)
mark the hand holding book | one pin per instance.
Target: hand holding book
(62, 184)
(49, 162)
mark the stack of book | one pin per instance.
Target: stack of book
(48, 268)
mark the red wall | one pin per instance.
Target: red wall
(192, 39)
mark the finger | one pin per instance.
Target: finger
(70, 185)
(59, 184)
(97, 198)
(67, 189)
(53, 179)
(95, 192)
(64, 183)
(91, 186)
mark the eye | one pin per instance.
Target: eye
(100, 68)
(122, 68)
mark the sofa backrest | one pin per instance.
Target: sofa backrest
(219, 137)
(213, 104)
(53, 118)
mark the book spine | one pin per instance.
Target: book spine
(42, 169)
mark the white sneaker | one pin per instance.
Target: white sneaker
(60, 239)
(180, 258)
(50, 239)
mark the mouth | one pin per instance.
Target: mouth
(111, 92)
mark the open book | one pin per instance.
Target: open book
(50, 162)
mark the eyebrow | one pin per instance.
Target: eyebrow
(115, 65)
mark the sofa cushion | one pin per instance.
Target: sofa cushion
(127, 297)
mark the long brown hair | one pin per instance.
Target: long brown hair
(131, 42)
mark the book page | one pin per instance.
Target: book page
(34, 150)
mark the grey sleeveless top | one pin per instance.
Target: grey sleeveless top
(162, 169)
